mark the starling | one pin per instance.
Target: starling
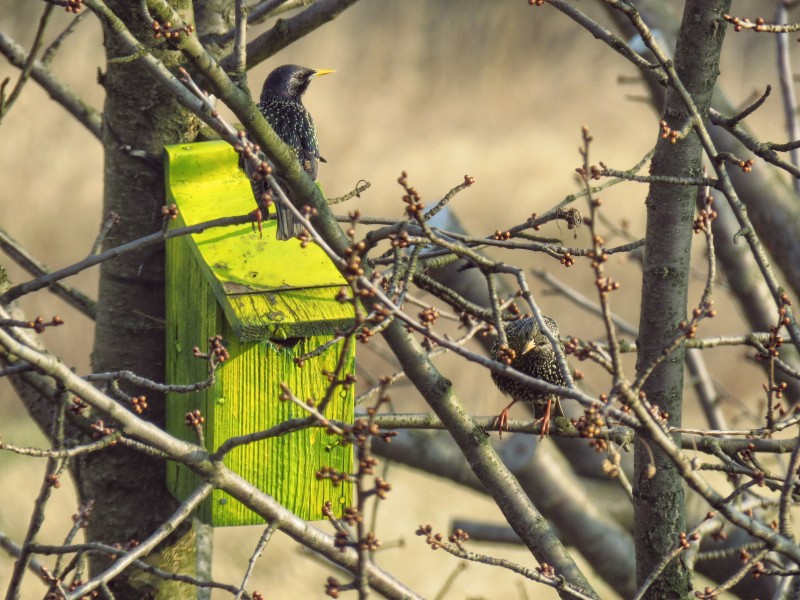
(532, 355)
(281, 104)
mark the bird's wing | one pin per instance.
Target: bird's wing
(257, 183)
(311, 163)
(294, 125)
(310, 156)
(308, 150)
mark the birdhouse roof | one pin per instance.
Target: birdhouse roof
(267, 288)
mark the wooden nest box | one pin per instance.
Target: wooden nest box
(272, 302)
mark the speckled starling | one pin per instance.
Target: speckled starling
(532, 355)
(281, 104)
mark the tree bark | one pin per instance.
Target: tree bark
(128, 487)
(659, 501)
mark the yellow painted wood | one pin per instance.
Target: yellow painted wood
(205, 182)
(264, 327)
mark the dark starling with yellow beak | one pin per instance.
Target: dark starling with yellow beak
(533, 355)
(281, 103)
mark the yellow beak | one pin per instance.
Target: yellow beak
(321, 72)
(529, 346)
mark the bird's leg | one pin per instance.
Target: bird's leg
(546, 418)
(256, 214)
(502, 419)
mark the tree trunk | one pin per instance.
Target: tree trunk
(128, 487)
(659, 502)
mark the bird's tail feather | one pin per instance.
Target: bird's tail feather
(288, 225)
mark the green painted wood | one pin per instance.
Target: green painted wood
(264, 328)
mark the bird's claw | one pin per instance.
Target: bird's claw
(256, 214)
(501, 421)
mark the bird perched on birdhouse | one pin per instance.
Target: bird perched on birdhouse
(529, 352)
(281, 103)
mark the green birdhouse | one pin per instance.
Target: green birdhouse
(272, 302)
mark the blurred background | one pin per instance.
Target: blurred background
(496, 90)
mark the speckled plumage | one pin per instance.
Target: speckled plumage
(539, 362)
(281, 103)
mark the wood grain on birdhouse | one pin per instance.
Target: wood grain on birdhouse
(272, 302)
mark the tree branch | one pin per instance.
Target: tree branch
(285, 32)
(59, 91)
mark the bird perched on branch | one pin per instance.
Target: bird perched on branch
(529, 352)
(281, 104)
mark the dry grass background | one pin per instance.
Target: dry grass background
(497, 90)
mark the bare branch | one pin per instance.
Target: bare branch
(183, 512)
(91, 261)
(290, 30)
(7, 103)
(23, 258)
(59, 91)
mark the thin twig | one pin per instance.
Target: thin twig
(50, 51)
(240, 39)
(27, 261)
(539, 575)
(62, 453)
(115, 551)
(787, 87)
(7, 103)
(251, 563)
(34, 566)
(91, 261)
(787, 495)
(605, 285)
(361, 186)
(468, 181)
(37, 517)
(290, 30)
(759, 26)
(57, 89)
(257, 13)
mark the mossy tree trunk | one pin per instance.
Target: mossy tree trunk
(659, 502)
